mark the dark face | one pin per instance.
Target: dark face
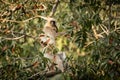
(53, 24)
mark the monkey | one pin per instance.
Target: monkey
(50, 32)
(50, 29)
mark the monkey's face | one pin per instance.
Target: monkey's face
(53, 24)
(50, 28)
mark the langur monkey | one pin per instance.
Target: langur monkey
(50, 32)
(50, 29)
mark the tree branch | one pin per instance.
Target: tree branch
(46, 74)
(54, 8)
(14, 21)
(16, 38)
(52, 73)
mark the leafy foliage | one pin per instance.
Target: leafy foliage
(91, 39)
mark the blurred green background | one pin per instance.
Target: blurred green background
(91, 39)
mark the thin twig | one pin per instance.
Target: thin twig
(5, 2)
(104, 28)
(6, 20)
(16, 38)
(34, 75)
(37, 16)
(13, 32)
(34, 37)
(30, 18)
